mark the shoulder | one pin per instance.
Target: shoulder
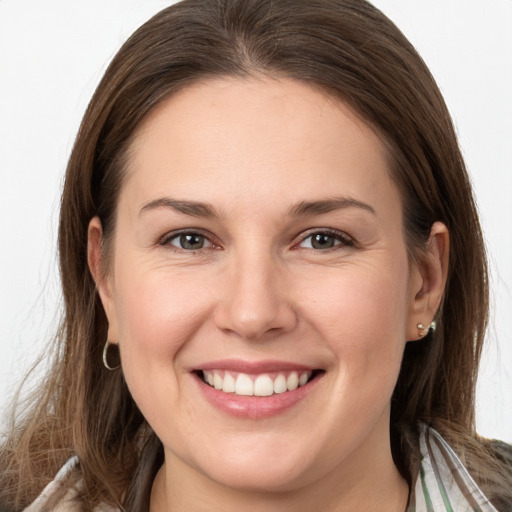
(502, 451)
(68, 502)
(443, 483)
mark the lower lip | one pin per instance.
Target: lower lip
(255, 407)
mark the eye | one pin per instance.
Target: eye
(325, 240)
(188, 241)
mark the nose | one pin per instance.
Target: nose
(255, 302)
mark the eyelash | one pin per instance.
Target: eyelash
(341, 238)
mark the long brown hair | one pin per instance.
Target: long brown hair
(349, 49)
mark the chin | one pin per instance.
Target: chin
(263, 465)
(259, 479)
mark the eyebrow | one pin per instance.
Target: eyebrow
(302, 209)
(310, 208)
(192, 208)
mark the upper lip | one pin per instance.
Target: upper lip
(241, 366)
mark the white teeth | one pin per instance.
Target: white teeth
(208, 377)
(229, 384)
(304, 377)
(280, 384)
(244, 385)
(217, 381)
(261, 385)
(293, 381)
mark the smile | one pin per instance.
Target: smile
(264, 384)
(255, 390)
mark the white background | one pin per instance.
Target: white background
(52, 55)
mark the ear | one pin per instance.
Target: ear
(102, 280)
(428, 281)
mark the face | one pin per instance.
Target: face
(259, 286)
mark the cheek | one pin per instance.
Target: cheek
(362, 314)
(359, 300)
(157, 314)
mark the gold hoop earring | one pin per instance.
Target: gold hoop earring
(106, 364)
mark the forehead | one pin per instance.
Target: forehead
(240, 140)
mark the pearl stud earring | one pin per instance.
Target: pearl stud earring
(423, 331)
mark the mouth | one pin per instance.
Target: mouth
(257, 384)
(256, 389)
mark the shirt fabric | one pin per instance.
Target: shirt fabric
(443, 483)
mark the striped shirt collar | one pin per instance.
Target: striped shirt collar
(443, 483)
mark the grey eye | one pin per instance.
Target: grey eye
(321, 241)
(190, 241)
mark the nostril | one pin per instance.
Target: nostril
(258, 323)
(255, 304)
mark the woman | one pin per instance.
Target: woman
(266, 236)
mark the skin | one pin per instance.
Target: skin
(258, 290)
